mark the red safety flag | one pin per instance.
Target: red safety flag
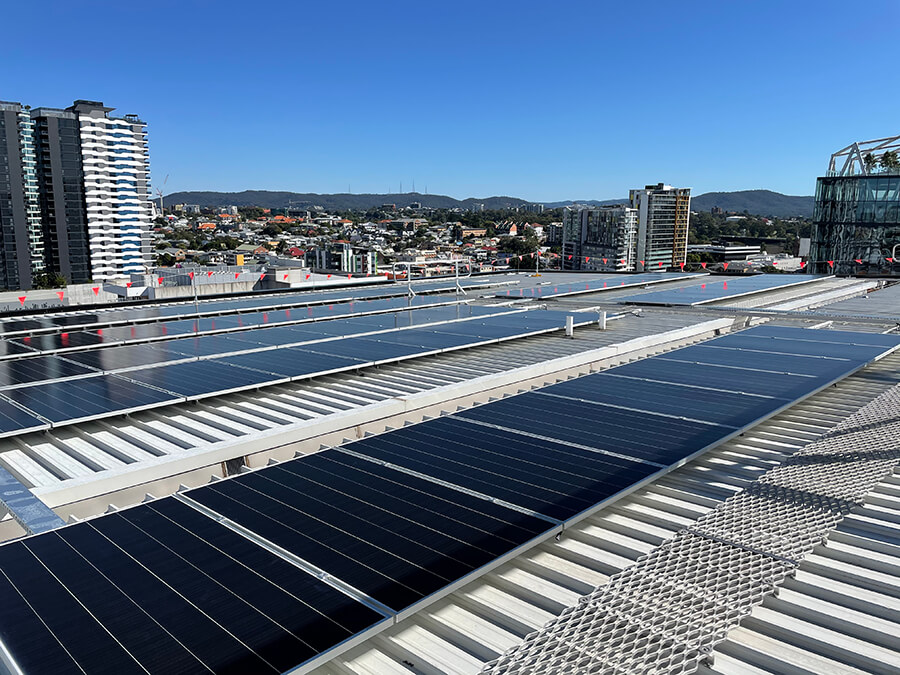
(60, 294)
(285, 277)
(830, 263)
(587, 259)
(802, 264)
(308, 276)
(96, 290)
(22, 300)
(642, 263)
(622, 262)
(127, 285)
(724, 266)
(681, 265)
(774, 262)
(191, 275)
(660, 263)
(890, 260)
(703, 265)
(858, 261)
(328, 277)
(570, 257)
(237, 274)
(349, 276)
(209, 274)
(604, 260)
(262, 276)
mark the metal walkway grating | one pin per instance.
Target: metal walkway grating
(667, 612)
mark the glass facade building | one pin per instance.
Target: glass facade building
(857, 217)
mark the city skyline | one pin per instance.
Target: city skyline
(583, 102)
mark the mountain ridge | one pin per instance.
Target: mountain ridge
(755, 202)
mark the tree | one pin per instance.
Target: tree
(49, 280)
(871, 161)
(890, 160)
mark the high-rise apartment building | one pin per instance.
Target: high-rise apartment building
(74, 193)
(21, 239)
(600, 238)
(857, 213)
(652, 230)
(663, 218)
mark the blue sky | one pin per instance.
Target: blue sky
(541, 100)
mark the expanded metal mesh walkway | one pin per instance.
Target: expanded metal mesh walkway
(666, 613)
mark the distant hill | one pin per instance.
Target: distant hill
(333, 202)
(755, 202)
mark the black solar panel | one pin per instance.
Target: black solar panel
(161, 588)
(556, 479)
(127, 356)
(370, 533)
(819, 366)
(291, 362)
(14, 420)
(24, 371)
(87, 397)
(201, 378)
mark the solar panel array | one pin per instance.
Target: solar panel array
(719, 290)
(187, 309)
(609, 282)
(83, 338)
(390, 521)
(77, 395)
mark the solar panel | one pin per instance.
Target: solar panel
(62, 341)
(70, 401)
(292, 362)
(12, 350)
(720, 289)
(162, 588)
(754, 361)
(546, 476)
(14, 420)
(196, 379)
(126, 356)
(608, 282)
(24, 371)
(370, 533)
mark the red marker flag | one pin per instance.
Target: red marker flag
(703, 265)
(587, 259)
(858, 261)
(642, 263)
(328, 277)
(209, 274)
(22, 300)
(724, 266)
(237, 274)
(890, 260)
(349, 276)
(830, 263)
(96, 290)
(621, 262)
(660, 263)
(802, 264)
(308, 276)
(60, 294)
(127, 285)
(191, 275)
(284, 278)
(570, 257)
(604, 260)
(262, 276)
(681, 265)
